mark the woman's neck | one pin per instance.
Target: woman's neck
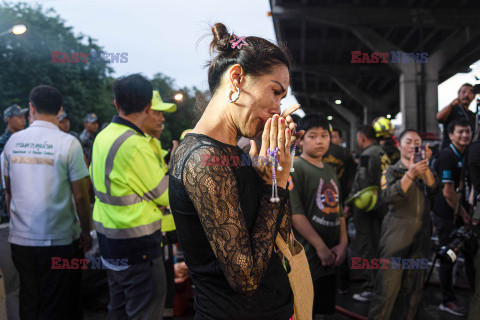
(217, 122)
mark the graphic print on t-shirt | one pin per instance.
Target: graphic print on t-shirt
(327, 197)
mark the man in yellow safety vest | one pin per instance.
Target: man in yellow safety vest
(130, 186)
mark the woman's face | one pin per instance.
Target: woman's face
(260, 99)
(408, 143)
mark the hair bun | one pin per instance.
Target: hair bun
(221, 38)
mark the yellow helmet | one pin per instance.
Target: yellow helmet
(365, 199)
(383, 127)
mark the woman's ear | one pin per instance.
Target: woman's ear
(235, 77)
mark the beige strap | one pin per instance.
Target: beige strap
(283, 247)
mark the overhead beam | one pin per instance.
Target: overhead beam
(363, 98)
(343, 112)
(376, 43)
(346, 70)
(348, 41)
(457, 52)
(379, 17)
(324, 95)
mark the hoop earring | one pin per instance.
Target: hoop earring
(236, 98)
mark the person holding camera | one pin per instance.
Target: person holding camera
(457, 110)
(406, 189)
(449, 167)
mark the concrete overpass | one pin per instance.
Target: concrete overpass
(322, 34)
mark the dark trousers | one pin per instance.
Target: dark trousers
(398, 290)
(11, 280)
(368, 226)
(44, 292)
(75, 296)
(343, 274)
(324, 295)
(137, 293)
(444, 229)
(170, 277)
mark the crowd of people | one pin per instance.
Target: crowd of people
(116, 190)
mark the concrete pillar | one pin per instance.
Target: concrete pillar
(351, 119)
(410, 86)
(408, 97)
(432, 69)
(353, 135)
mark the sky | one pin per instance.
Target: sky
(162, 35)
(166, 36)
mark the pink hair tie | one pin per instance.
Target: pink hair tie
(238, 42)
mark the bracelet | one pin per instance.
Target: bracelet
(408, 176)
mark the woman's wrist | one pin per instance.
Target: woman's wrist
(409, 175)
(282, 183)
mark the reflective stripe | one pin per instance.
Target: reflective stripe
(117, 201)
(111, 156)
(130, 199)
(158, 191)
(32, 160)
(128, 233)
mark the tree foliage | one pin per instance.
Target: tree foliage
(26, 61)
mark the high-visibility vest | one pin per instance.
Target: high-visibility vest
(129, 186)
(168, 224)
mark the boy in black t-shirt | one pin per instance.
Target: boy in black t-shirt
(317, 213)
(449, 167)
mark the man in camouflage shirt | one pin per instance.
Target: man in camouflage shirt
(14, 116)
(88, 135)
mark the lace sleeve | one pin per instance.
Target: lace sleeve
(213, 190)
(286, 225)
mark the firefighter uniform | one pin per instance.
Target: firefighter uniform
(391, 150)
(373, 161)
(405, 234)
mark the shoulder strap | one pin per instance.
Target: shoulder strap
(283, 247)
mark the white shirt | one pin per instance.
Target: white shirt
(41, 161)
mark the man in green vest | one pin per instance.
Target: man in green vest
(153, 127)
(130, 186)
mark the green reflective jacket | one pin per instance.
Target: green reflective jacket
(129, 186)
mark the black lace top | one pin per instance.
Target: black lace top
(227, 226)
